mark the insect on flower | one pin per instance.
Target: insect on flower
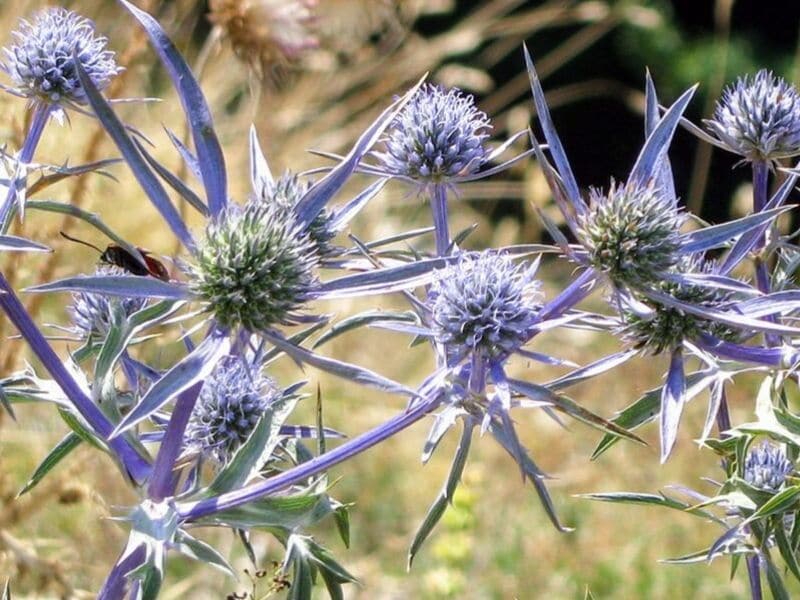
(118, 256)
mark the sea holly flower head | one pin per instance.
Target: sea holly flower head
(230, 404)
(94, 314)
(655, 327)
(284, 193)
(255, 267)
(767, 467)
(631, 233)
(484, 303)
(758, 118)
(439, 135)
(41, 64)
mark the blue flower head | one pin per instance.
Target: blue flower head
(255, 267)
(230, 404)
(439, 135)
(484, 303)
(284, 193)
(94, 314)
(767, 467)
(758, 118)
(41, 63)
(631, 233)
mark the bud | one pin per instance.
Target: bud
(767, 467)
(94, 314)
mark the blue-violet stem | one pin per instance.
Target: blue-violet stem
(41, 114)
(755, 577)
(440, 224)
(197, 510)
(136, 465)
(163, 479)
(117, 583)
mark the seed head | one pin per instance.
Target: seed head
(255, 267)
(40, 61)
(266, 33)
(284, 193)
(664, 327)
(438, 135)
(631, 233)
(484, 303)
(758, 117)
(94, 314)
(767, 467)
(230, 404)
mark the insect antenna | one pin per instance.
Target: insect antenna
(76, 240)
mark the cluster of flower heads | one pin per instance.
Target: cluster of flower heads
(41, 62)
(767, 467)
(284, 193)
(255, 268)
(230, 405)
(484, 303)
(439, 135)
(631, 233)
(758, 118)
(94, 314)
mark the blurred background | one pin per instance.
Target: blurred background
(312, 75)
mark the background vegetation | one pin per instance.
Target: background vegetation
(496, 542)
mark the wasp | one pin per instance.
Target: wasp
(118, 256)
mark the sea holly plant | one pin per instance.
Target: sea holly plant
(210, 437)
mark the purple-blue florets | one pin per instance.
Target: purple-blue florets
(758, 117)
(230, 405)
(484, 303)
(439, 135)
(767, 467)
(41, 63)
(94, 314)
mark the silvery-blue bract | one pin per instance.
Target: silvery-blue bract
(40, 60)
(767, 467)
(484, 303)
(758, 118)
(439, 135)
(233, 399)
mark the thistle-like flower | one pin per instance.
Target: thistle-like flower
(284, 193)
(255, 267)
(631, 233)
(94, 314)
(41, 63)
(484, 303)
(439, 135)
(230, 404)
(758, 118)
(767, 467)
(266, 33)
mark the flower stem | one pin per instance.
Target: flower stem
(136, 465)
(760, 184)
(117, 583)
(41, 113)
(755, 577)
(440, 224)
(193, 511)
